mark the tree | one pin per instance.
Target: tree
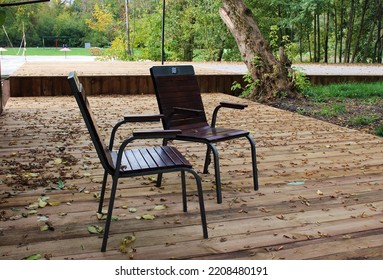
(271, 76)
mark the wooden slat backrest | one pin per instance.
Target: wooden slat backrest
(177, 86)
(102, 150)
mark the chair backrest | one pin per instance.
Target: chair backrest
(177, 86)
(83, 103)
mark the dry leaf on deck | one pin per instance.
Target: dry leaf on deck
(148, 217)
(94, 229)
(57, 161)
(160, 207)
(33, 257)
(132, 210)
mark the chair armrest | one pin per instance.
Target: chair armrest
(186, 111)
(233, 105)
(225, 105)
(131, 119)
(150, 134)
(143, 118)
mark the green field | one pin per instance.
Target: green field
(47, 51)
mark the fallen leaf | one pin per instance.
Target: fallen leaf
(262, 209)
(42, 203)
(60, 185)
(94, 229)
(148, 217)
(33, 257)
(44, 228)
(32, 212)
(42, 219)
(128, 239)
(152, 179)
(319, 192)
(97, 195)
(31, 174)
(160, 207)
(296, 183)
(125, 242)
(57, 161)
(54, 203)
(364, 215)
(132, 210)
(16, 217)
(103, 216)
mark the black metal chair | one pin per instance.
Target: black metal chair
(134, 162)
(179, 100)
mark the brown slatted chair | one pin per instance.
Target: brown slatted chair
(179, 100)
(134, 162)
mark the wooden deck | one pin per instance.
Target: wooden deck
(320, 197)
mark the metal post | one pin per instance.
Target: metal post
(163, 34)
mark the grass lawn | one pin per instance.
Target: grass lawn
(47, 51)
(354, 105)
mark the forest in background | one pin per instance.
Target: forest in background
(333, 31)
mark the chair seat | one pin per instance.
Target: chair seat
(151, 159)
(210, 134)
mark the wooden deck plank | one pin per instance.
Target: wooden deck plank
(320, 197)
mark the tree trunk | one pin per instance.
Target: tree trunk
(341, 31)
(326, 36)
(336, 33)
(318, 33)
(315, 38)
(270, 75)
(350, 29)
(357, 43)
(379, 45)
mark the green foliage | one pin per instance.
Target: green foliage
(2, 16)
(346, 90)
(117, 50)
(248, 88)
(194, 29)
(332, 110)
(379, 130)
(361, 120)
(300, 80)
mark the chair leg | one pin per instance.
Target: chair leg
(207, 160)
(159, 176)
(103, 189)
(217, 172)
(254, 162)
(184, 199)
(201, 203)
(159, 180)
(110, 211)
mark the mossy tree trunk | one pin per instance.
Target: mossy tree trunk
(270, 75)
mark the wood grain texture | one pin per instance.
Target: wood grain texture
(320, 197)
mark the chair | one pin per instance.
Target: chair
(179, 100)
(134, 162)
